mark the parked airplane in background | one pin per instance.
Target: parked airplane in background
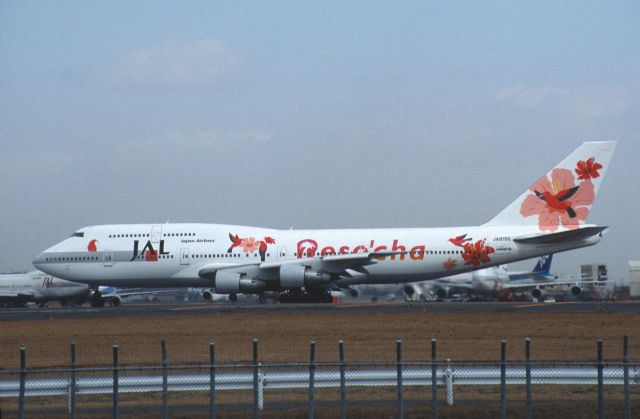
(16, 290)
(498, 282)
(549, 217)
(485, 283)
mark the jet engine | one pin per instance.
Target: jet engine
(413, 292)
(298, 276)
(409, 291)
(536, 293)
(576, 290)
(115, 301)
(233, 282)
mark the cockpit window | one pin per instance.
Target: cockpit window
(78, 234)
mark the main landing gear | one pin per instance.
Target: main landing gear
(96, 298)
(305, 297)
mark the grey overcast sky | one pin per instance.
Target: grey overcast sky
(310, 114)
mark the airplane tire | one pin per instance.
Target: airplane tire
(97, 300)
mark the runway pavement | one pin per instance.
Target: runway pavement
(150, 310)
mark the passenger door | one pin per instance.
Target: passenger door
(107, 258)
(184, 256)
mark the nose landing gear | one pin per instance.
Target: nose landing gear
(96, 298)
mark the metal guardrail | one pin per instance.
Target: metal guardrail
(325, 377)
(259, 377)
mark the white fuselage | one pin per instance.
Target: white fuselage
(174, 255)
(40, 288)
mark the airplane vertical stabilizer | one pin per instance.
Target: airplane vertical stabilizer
(561, 199)
(543, 266)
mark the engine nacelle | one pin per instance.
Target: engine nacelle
(207, 296)
(536, 293)
(233, 283)
(409, 291)
(115, 301)
(576, 290)
(298, 276)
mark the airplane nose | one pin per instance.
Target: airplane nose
(39, 260)
(41, 263)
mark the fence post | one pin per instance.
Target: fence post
(23, 378)
(165, 380)
(343, 393)
(256, 411)
(527, 360)
(600, 381)
(116, 370)
(503, 379)
(312, 376)
(212, 380)
(72, 384)
(448, 374)
(434, 381)
(399, 384)
(625, 360)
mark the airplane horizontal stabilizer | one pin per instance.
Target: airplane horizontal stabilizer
(563, 236)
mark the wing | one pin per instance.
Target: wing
(333, 264)
(17, 296)
(567, 193)
(542, 285)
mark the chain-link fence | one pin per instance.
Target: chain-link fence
(403, 388)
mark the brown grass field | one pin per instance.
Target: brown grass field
(285, 336)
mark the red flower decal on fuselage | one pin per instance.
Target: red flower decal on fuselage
(450, 264)
(250, 245)
(92, 246)
(588, 169)
(476, 254)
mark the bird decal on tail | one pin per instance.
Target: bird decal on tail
(559, 200)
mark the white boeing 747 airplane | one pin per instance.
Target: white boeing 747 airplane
(549, 217)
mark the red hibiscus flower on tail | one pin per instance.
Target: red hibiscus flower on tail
(478, 253)
(587, 170)
(558, 201)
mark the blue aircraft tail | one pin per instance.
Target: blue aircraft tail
(543, 266)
